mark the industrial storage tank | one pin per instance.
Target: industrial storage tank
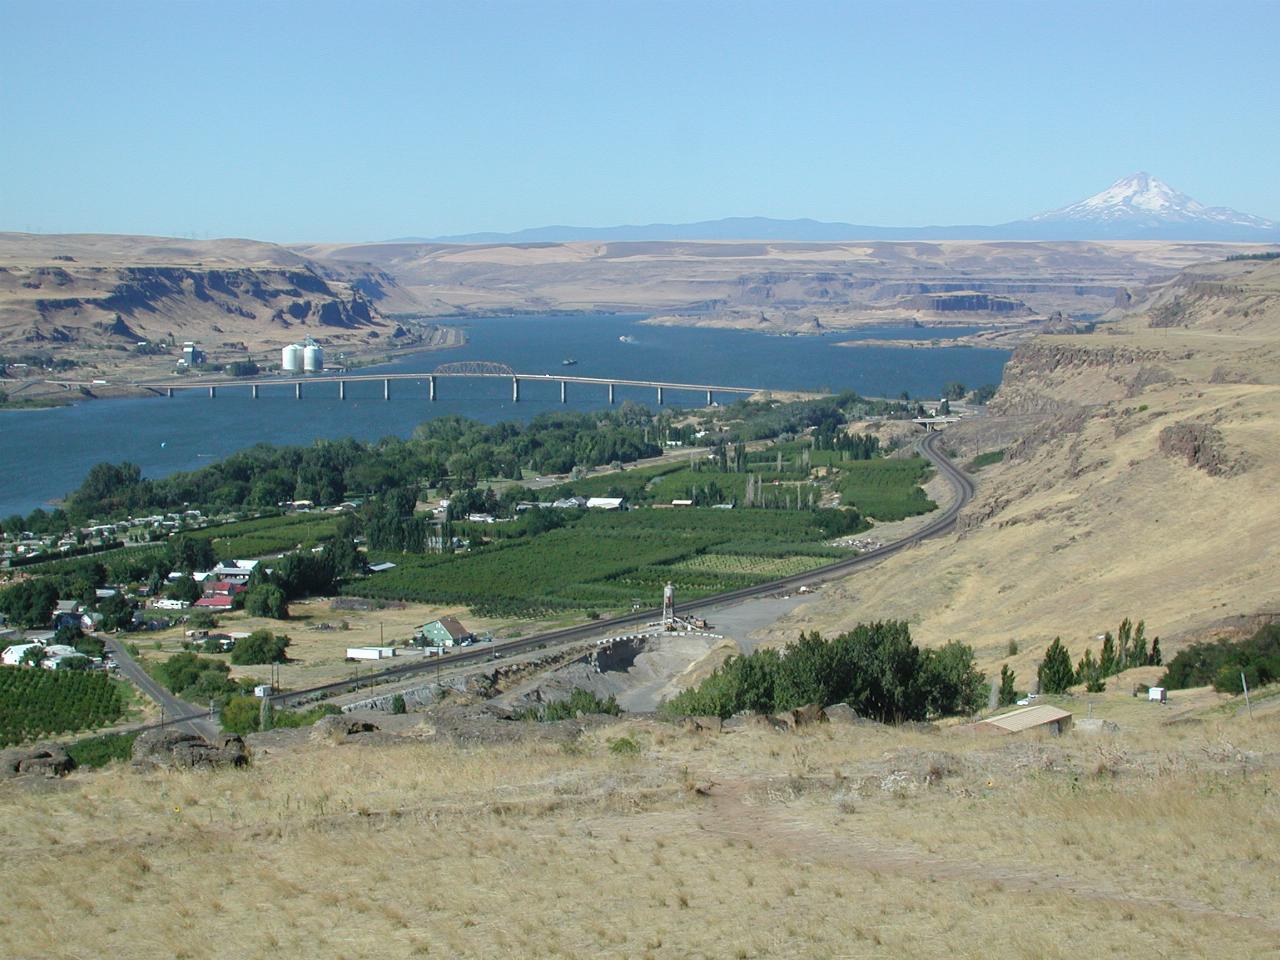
(312, 358)
(291, 358)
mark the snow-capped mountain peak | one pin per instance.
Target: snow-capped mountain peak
(1141, 200)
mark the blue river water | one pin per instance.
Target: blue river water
(45, 453)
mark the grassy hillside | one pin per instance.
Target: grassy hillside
(859, 841)
(1146, 483)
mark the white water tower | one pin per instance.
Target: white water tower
(312, 358)
(668, 603)
(291, 358)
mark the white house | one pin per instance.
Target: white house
(237, 570)
(13, 655)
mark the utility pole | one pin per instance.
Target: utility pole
(1245, 683)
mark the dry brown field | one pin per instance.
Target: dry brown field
(318, 656)
(831, 841)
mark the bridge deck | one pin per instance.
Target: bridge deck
(204, 383)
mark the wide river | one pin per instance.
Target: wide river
(45, 453)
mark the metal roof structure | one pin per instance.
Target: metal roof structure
(1029, 718)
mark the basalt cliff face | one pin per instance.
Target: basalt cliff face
(1144, 482)
(64, 294)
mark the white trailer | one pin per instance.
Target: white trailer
(370, 653)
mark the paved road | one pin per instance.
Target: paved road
(171, 705)
(928, 446)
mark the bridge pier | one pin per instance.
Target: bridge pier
(515, 389)
(213, 392)
(297, 390)
(431, 388)
(611, 394)
(386, 389)
(709, 400)
(342, 389)
(168, 392)
(659, 396)
(253, 391)
(562, 393)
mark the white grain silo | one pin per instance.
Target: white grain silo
(291, 358)
(312, 358)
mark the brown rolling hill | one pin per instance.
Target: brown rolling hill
(1144, 482)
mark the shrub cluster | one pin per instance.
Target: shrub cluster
(875, 668)
(578, 701)
(1221, 662)
(261, 646)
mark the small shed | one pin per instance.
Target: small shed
(1042, 716)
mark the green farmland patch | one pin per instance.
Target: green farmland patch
(886, 489)
(267, 535)
(604, 560)
(39, 703)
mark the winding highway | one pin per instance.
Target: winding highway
(928, 445)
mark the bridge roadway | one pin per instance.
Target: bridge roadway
(928, 445)
(167, 388)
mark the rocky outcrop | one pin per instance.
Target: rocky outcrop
(965, 301)
(1058, 323)
(168, 748)
(340, 728)
(42, 760)
(1200, 445)
(810, 715)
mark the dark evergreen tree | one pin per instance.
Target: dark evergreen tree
(1008, 693)
(1056, 674)
(1139, 655)
(1107, 662)
(1124, 652)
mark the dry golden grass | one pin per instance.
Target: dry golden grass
(842, 841)
(1100, 523)
(317, 656)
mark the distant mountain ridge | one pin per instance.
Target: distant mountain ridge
(1136, 207)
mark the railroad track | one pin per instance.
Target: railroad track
(928, 446)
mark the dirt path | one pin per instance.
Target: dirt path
(744, 811)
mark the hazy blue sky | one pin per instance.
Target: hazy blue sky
(371, 120)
